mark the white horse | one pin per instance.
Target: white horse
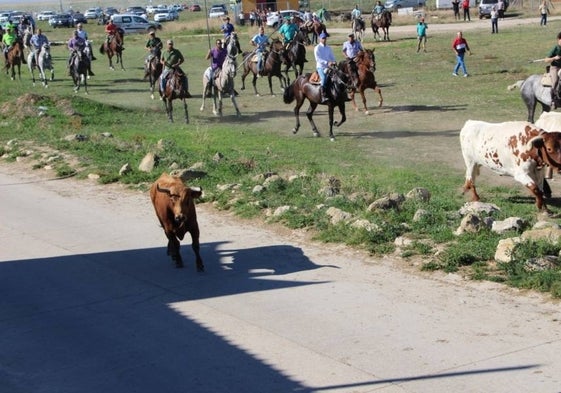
(223, 79)
(42, 63)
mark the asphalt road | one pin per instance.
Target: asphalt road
(91, 303)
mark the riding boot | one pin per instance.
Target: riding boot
(324, 98)
(23, 61)
(90, 72)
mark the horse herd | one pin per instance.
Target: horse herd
(279, 60)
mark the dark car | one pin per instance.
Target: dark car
(136, 10)
(195, 8)
(79, 18)
(61, 20)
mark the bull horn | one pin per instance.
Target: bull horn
(166, 190)
(532, 142)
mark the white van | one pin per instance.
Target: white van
(393, 5)
(134, 23)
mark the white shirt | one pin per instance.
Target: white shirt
(324, 55)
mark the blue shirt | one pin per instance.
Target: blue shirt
(261, 41)
(227, 29)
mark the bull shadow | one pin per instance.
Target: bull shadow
(125, 321)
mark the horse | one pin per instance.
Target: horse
(532, 92)
(315, 28)
(14, 59)
(42, 63)
(272, 62)
(365, 65)
(223, 79)
(26, 39)
(114, 48)
(153, 69)
(79, 70)
(302, 88)
(175, 88)
(295, 56)
(383, 22)
(357, 28)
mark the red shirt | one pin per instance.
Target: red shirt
(110, 28)
(460, 45)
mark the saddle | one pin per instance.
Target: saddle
(314, 78)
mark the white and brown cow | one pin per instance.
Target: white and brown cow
(518, 149)
(175, 207)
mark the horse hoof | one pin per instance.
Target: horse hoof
(316, 134)
(366, 113)
(332, 139)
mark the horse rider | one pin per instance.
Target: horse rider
(554, 59)
(351, 47)
(216, 55)
(324, 59)
(288, 31)
(378, 10)
(8, 40)
(154, 46)
(37, 41)
(356, 13)
(75, 44)
(260, 41)
(111, 29)
(227, 29)
(171, 60)
(84, 35)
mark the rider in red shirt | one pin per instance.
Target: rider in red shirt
(111, 30)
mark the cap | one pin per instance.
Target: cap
(323, 35)
(170, 42)
(352, 35)
(152, 33)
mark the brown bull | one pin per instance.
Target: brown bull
(175, 208)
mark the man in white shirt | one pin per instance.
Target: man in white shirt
(324, 59)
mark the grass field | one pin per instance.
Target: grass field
(412, 141)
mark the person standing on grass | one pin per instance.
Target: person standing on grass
(460, 47)
(422, 35)
(456, 8)
(494, 20)
(501, 9)
(544, 11)
(465, 7)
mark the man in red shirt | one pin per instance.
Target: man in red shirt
(111, 30)
(460, 47)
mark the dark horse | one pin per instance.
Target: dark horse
(532, 92)
(357, 28)
(315, 28)
(383, 22)
(302, 89)
(114, 48)
(295, 56)
(272, 62)
(365, 65)
(13, 60)
(175, 88)
(153, 69)
(79, 69)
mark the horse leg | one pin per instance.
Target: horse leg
(32, 73)
(120, 60)
(270, 79)
(309, 115)
(299, 102)
(330, 110)
(363, 98)
(233, 98)
(185, 110)
(168, 106)
(215, 98)
(254, 82)
(343, 116)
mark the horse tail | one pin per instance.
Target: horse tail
(516, 85)
(288, 95)
(102, 49)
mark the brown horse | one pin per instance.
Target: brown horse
(272, 62)
(14, 59)
(383, 22)
(357, 28)
(365, 65)
(175, 88)
(114, 47)
(153, 70)
(314, 28)
(302, 89)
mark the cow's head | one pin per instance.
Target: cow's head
(548, 145)
(181, 200)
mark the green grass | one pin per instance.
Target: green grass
(411, 142)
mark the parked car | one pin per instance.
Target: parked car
(61, 20)
(217, 11)
(394, 5)
(486, 5)
(275, 18)
(92, 13)
(45, 15)
(134, 23)
(166, 16)
(79, 18)
(195, 8)
(110, 11)
(136, 10)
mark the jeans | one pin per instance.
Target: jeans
(460, 63)
(321, 73)
(543, 21)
